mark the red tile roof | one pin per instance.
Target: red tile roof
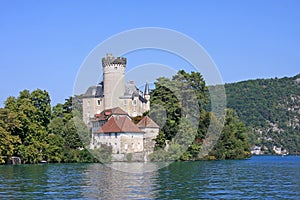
(119, 124)
(147, 122)
(105, 114)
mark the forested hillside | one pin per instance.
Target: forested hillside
(271, 108)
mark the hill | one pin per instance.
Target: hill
(271, 108)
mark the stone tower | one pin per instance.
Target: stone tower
(114, 80)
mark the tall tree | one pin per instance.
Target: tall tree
(8, 142)
(184, 98)
(233, 142)
(33, 112)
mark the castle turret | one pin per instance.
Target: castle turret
(114, 80)
(147, 97)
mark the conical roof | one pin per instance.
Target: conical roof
(146, 89)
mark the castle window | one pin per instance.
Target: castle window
(116, 68)
(134, 102)
(98, 102)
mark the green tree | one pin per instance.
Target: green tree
(182, 99)
(8, 142)
(233, 142)
(32, 112)
(9, 127)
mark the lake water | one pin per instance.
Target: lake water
(261, 177)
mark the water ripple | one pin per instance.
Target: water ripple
(266, 177)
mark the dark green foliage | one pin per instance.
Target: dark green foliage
(178, 105)
(233, 142)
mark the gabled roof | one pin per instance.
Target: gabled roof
(105, 114)
(147, 122)
(119, 124)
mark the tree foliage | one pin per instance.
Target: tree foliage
(31, 130)
(179, 105)
(233, 142)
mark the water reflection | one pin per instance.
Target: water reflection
(108, 183)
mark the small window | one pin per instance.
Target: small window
(116, 135)
(116, 68)
(125, 102)
(134, 102)
(132, 145)
(98, 102)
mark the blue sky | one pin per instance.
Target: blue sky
(44, 43)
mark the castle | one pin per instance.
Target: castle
(113, 92)
(108, 109)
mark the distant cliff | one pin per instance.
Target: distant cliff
(271, 108)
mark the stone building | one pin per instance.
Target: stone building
(150, 129)
(108, 108)
(113, 92)
(114, 127)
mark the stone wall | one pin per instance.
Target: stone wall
(90, 107)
